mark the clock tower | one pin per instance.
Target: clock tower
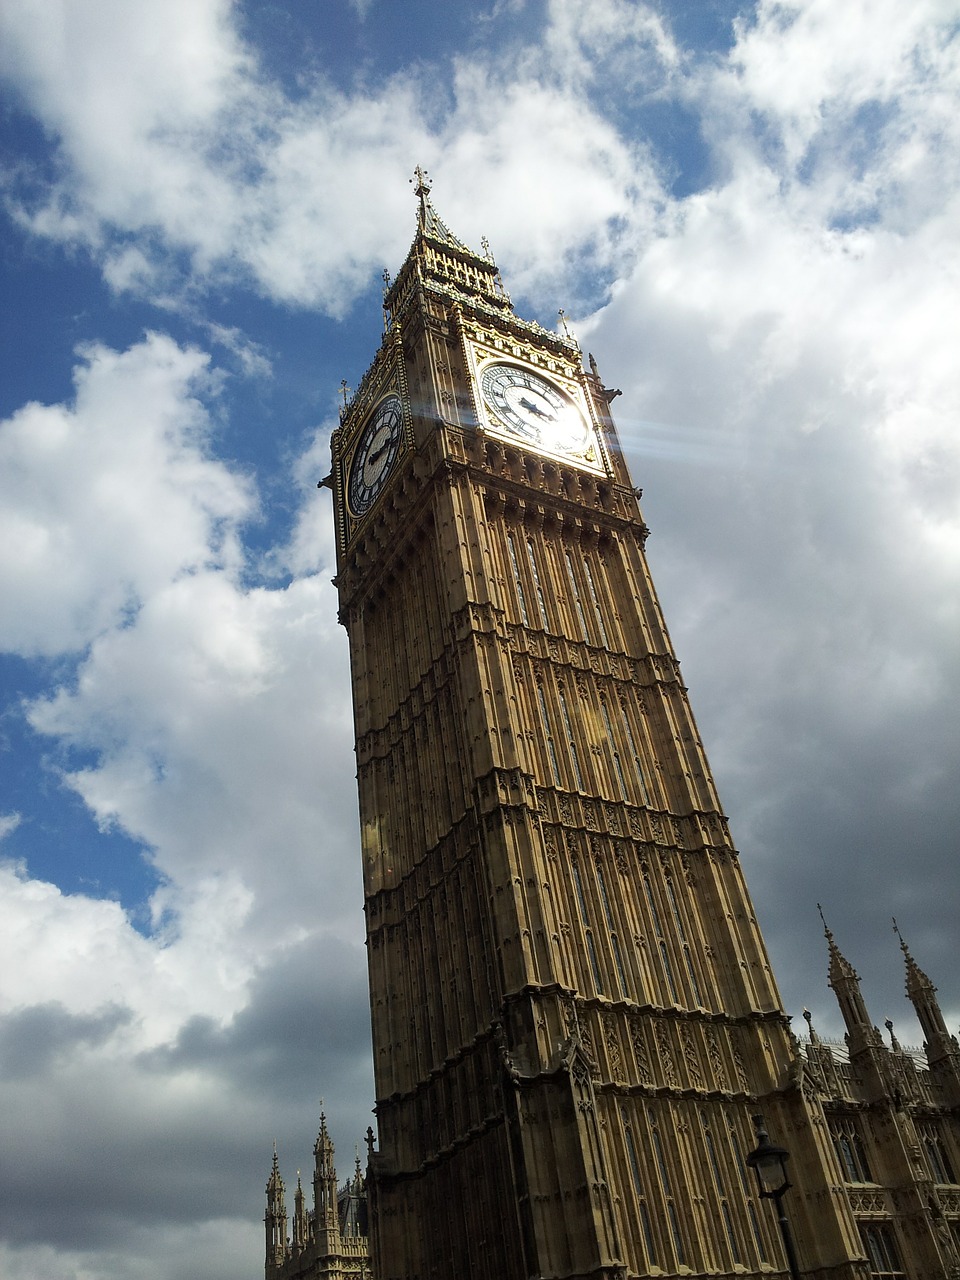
(574, 1017)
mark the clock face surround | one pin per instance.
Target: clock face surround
(375, 455)
(535, 409)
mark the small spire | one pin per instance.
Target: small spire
(387, 318)
(811, 1029)
(923, 996)
(917, 980)
(275, 1184)
(840, 966)
(844, 981)
(894, 1042)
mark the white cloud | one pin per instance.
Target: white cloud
(204, 752)
(9, 823)
(189, 151)
(187, 699)
(854, 105)
(594, 40)
(107, 498)
(83, 955)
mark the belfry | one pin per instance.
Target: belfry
(574, 1016)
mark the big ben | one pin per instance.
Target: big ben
(574, 1016)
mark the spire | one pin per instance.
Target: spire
(844, 981)
(301, 1222)
(940, 1045)
(275, 1220)
(919, 986)
(324, 1180)
(429, 222)
(441, 263)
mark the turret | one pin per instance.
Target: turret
(326, 1225)
(275, 1221)
(943, 1052)
(844, 981)
(301, 1221)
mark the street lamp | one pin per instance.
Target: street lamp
(769, 1163)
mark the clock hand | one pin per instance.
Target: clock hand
(535, 408)
(383, 449)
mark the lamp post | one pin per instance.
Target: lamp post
(769, 1163)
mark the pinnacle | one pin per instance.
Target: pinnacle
(840, 967)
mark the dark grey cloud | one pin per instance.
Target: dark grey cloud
(33, 1039)
(307, 1023)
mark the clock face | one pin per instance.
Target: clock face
(375, 455)
(528, 406)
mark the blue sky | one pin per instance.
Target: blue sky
(749, 215)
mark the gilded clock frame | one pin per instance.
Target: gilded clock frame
(558, 374)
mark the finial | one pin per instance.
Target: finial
(894, 1042)
(563, 321)
(422, 189)
(811, 1030)
(903, 946)
(343, 391)
(823, 920)
(369, 1136)
(386, 310)
(485, 246)
(912, 966)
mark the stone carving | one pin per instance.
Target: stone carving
(614, 1056)
(665, 1054)
(716, 1060)
(690, 1058)
(640, 1054)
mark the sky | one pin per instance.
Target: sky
(750, 215)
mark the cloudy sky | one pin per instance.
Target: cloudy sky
(750, 214)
